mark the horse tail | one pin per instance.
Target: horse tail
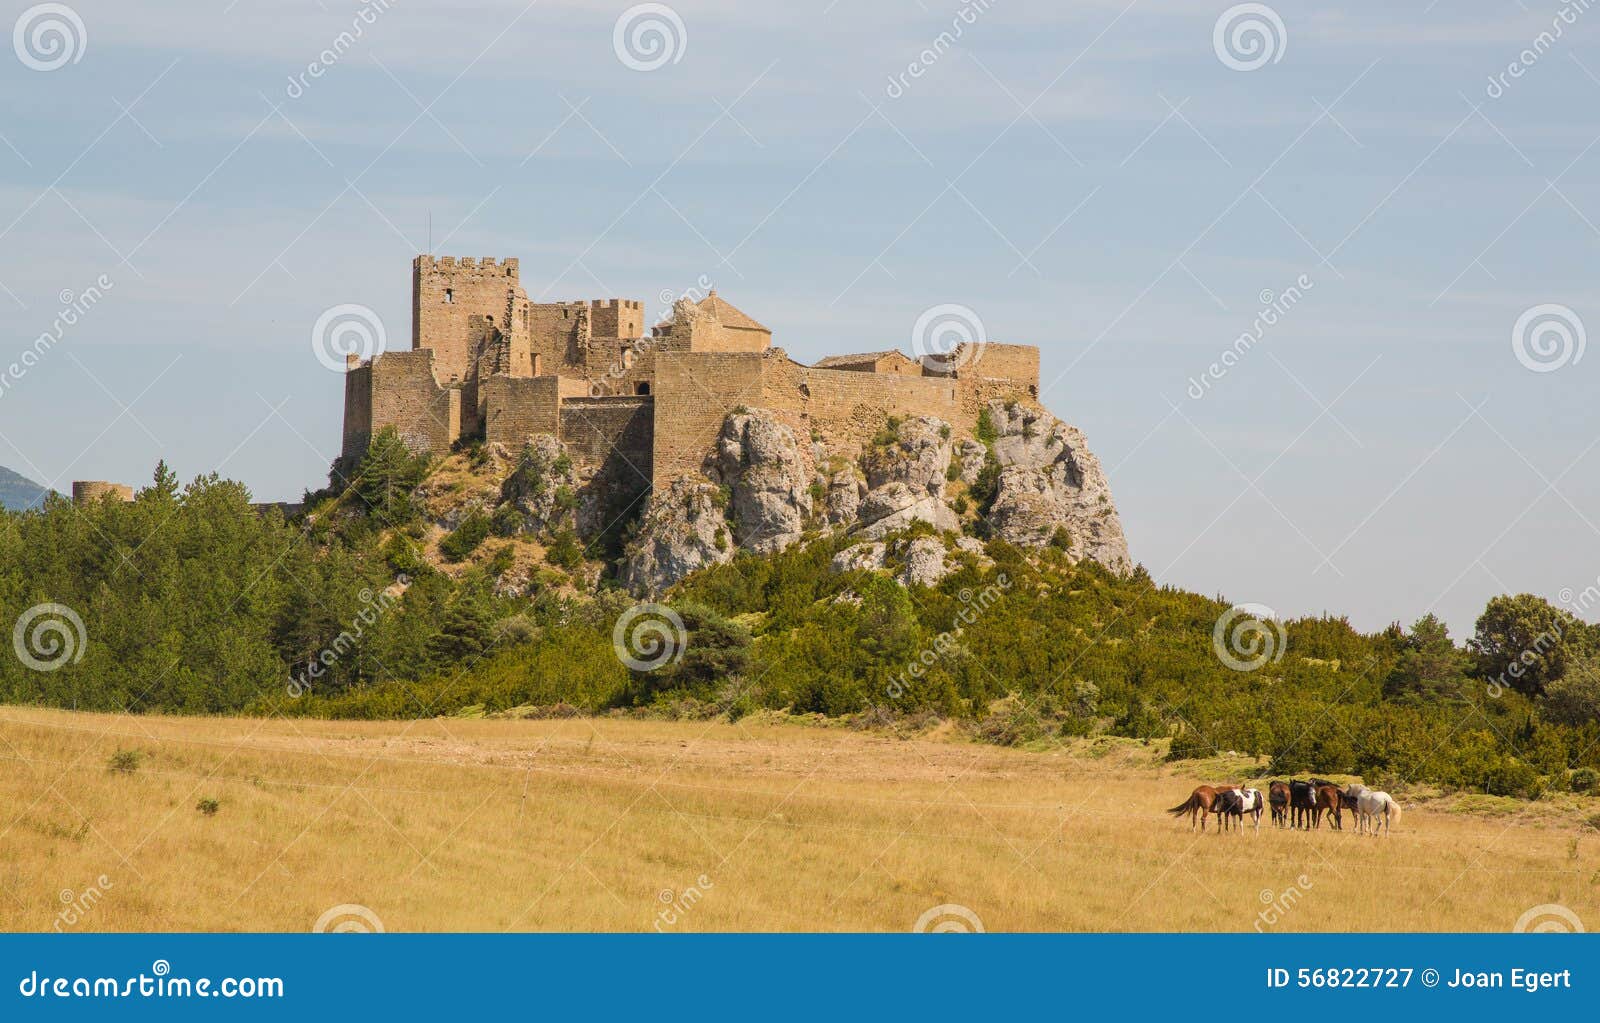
(1394, 811)
(1188, 804)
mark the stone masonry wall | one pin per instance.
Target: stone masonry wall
(446, 293)
(515, 408)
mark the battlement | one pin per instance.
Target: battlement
(509, 267)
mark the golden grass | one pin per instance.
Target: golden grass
(602, 824)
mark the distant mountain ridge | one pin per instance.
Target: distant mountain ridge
(18, 493)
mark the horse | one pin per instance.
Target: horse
(1370, 805)
(1278, 796)
(1238, 802)
(1202, 801)
(1302, 802)
(1330, 799)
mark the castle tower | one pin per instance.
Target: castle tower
(458, 305)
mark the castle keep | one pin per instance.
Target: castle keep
(644, 404)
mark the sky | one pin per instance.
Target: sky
(1385, 213)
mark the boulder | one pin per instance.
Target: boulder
(683, 529)
(759, 461)
(896, 505)
(925, 563)
(542, 485)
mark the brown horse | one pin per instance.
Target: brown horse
(1278, 796)
(1202, 801)
(1329, 799)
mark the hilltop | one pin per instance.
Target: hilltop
(19, 493)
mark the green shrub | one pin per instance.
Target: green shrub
(466, 537)
(1584, 779)
(208, 806)
(125, 761)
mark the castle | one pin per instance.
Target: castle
(641, 405)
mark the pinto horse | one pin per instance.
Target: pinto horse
(1235, 803)
(1201, 802)
(1278, 796)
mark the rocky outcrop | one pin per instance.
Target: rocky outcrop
(542, 486)
(925, 563)
(759, 461)
(683, 530)
(921, 561)
(906, 478)
(1051, 488)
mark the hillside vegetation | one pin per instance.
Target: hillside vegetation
(193, 602)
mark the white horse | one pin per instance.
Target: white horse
(1371, 805)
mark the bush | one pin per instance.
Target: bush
(125, 761)
(208, 806)
(1584, 779)
(466, 537)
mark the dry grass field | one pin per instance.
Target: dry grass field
(609, 824)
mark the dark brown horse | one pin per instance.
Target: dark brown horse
(1201, 802)
(1278, 796)
(1302, 802)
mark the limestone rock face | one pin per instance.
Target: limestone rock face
(906, 479)
(542, 485)
(918, 457)
(683, 530)
(1050, 479)
(969, 456)
(841, 496)
(760, 462)
(861, 557)
(925, 562)
(895, 506)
